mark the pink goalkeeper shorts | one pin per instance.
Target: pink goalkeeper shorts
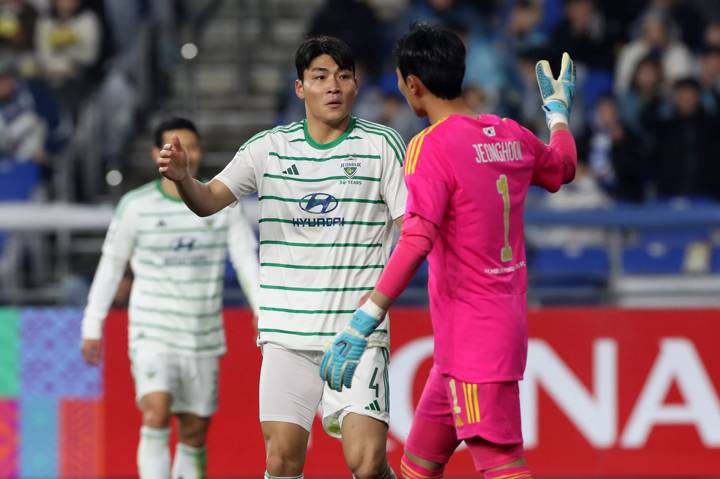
(486, 416)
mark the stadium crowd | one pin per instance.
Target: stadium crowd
(648, 98)
(54, 55)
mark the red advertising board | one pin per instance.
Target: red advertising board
(607, 393)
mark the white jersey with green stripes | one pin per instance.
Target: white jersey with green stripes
(178, 261)
(326, 215)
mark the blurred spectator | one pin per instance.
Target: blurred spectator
(17, 25)
(68, 42)
(22, 132)
(685, 160)
(710, 78)
(711, 35)
(357, 23)
(471, 15)
(659, 38)
(522, 30)
(641, 104)
(614, 155)
(687, 17)
(582, 32)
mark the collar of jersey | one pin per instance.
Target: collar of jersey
(164, 193)
(325, 146)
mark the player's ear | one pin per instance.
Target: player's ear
(299, 89)
(414, 84)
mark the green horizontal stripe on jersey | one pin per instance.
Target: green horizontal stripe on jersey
(181, 230)
(181, 281)
(169, 248)
(347, 222)
(340, 266)
(162, 295)
(327, 158)
(184, 212)
(298, 140)
(209, 347)
(291, 128)
(176, 330)
(393, 142)
(310, 180)
(171, 312)
(188, 265)
(308, 311)
(316, 290)
(306, 333)
(341, 200)
(323, 245)
(296, 333)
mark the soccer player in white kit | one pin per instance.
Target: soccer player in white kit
(176, 334)
(329, 189)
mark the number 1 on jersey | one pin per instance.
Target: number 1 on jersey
(502, 188)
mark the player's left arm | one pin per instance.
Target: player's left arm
(242, 247)
(555, 164)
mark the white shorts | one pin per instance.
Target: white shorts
(291, 389)
(191, 381)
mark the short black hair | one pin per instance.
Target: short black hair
(686, 82)
(436, 56)
(313, 47)
(174, 123)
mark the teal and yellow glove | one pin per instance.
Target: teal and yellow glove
(557, 94)
(341, 358)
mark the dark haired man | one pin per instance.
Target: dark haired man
(176, 335)
(329, 189)
(467, 178)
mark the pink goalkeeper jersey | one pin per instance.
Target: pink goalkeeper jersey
(469, 176)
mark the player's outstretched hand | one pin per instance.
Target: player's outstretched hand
(341, 358)
(91, 349)
(173, 162)
(557, 94)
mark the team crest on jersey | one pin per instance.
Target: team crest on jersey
(489, 131)
(209, 223)
(350, 168)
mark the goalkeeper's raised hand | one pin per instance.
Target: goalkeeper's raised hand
(342, 357)
(557, 94)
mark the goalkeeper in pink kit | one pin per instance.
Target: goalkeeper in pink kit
(467, 178)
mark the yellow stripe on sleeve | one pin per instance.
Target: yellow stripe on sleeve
(409, 152)
(419, 139)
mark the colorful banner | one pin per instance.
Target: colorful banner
(607, 393)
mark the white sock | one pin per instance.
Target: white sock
(268, 476)
(153, 455)
(189, 462)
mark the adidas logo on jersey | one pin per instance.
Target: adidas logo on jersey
(373, 406)
(293, 170)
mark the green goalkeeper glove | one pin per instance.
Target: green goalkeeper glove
(557, 94)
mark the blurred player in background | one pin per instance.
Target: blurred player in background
(467, 178)
(176, 331)
(329, 189)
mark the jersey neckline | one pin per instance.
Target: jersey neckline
(335, 142)
(165, 194)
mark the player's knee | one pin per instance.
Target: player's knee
(282, 464)
(368, 464)
(193, 432)
(156, 417)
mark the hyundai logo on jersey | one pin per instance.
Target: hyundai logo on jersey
(184, 242)
(318, 203)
